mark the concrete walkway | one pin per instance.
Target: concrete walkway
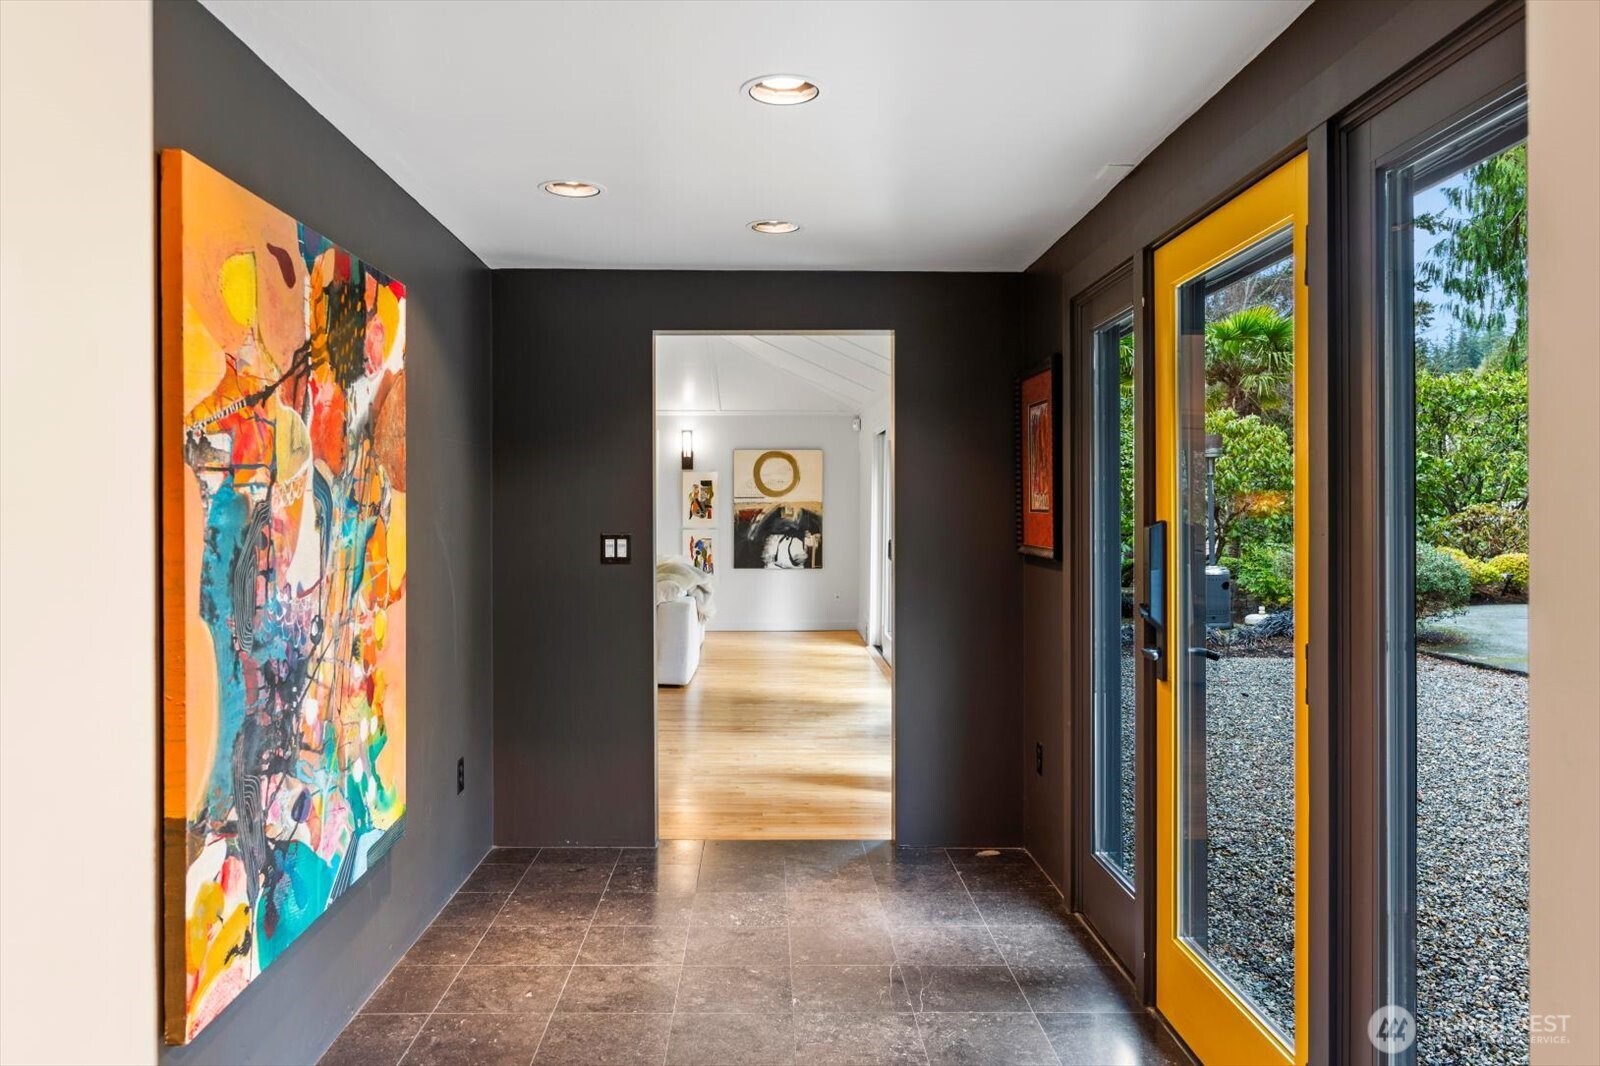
(1485, 634)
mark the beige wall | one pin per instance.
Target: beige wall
(1564, 475)
(78, 649)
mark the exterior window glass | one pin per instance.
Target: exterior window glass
(1114, 621)
(1456, 363)
(1234, 660)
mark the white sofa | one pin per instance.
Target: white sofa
(679, 634)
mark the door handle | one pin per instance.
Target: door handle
(1153, 612)
(1207, 652)
(1149, 652)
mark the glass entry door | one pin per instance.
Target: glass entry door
(1231, 441)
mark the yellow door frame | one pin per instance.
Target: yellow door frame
(1211, 1017)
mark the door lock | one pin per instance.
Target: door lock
(1154, 612)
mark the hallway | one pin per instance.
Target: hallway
(779, 736)
(747, 533)
(754, 952)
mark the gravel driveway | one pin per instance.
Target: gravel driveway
(1250, 819)
(1472, 862)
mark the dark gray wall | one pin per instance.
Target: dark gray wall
(1334, 53)
(214, 98)
(1044, 661)
(574, 644)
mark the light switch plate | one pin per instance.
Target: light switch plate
(616, 549)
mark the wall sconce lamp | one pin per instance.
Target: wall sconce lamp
(688, 449)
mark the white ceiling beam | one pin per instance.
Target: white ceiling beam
(787, 362)
(852, 348)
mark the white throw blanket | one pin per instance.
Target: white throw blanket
(676, 577)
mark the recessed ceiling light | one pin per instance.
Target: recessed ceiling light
(572, 190)
(774, 225)
(781, 89)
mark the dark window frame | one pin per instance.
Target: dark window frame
(1120, 917)
(1481, 64)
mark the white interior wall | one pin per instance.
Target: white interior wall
(777, 600)
(78, 561)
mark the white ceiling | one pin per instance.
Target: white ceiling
(771, 373)
(960, 135)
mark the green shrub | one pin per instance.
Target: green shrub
(1266, 574)
(1442, 583)
(1255, 482)
(1512, 568)
(1471, 446)
(1485, 579)
(1484, 530)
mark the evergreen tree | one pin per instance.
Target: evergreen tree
(1481, 257)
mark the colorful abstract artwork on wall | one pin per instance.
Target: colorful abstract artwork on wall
(777, 509)
(1039, 463)
(283, 424)
(700, 504)
(701, 547)
(1039, 490)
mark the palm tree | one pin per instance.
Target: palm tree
(1250, 363)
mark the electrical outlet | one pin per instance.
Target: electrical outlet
(1038, 759)
(461, 775)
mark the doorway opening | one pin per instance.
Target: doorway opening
(774, 602)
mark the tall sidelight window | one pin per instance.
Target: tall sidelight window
(1111, 591)
(1109, 882)
(1453, 239)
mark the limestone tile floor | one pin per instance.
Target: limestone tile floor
(769, 952)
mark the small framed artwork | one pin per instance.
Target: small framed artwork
(701, 547)
(701, 507)
(1038, 464)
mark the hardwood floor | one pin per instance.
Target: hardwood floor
(779, 736)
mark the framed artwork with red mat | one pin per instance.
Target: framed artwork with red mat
(1038, 406)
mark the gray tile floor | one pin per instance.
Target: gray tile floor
(754, 952)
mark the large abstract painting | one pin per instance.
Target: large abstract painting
(284, 550)
(777, 509)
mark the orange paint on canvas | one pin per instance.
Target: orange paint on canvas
(283, 562)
